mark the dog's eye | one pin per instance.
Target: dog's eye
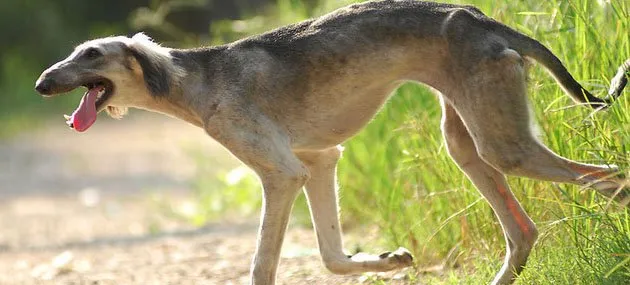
(92, 53)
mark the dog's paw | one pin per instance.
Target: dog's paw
(363, 262)
(401, 256)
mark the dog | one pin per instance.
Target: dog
(282, 102)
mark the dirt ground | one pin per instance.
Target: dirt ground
(81, 209)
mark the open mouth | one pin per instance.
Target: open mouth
(94, 100)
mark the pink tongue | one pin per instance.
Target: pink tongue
(85, 115)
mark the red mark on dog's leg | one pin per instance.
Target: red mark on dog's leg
(513, 207)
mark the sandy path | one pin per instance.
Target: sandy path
(81, 209)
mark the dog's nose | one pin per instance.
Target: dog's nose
(43, 86)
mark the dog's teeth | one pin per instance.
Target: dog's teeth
(66, 117)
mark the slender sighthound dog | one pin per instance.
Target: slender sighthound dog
(283, 101)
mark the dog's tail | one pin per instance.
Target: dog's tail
(532, 48)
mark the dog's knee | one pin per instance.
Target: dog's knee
(326, 158)
(288, 177)
(507, 160)
(298, 176)
(292, 177)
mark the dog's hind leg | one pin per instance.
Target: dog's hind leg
(494, 109)
(519, 230)
(321, 191)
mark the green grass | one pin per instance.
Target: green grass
(396, 175)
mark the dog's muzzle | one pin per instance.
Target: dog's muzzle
(44, 86)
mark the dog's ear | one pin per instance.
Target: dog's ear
(154, 71)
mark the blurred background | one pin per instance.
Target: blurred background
(152, 194)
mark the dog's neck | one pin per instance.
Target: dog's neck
(194, 79)
(165, 86)
(174, 107)
(175, 82)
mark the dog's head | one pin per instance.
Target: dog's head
(118, 72)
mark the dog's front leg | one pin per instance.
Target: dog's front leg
(263, 146)
(279, 191)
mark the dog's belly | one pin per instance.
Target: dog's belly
(329, 123)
